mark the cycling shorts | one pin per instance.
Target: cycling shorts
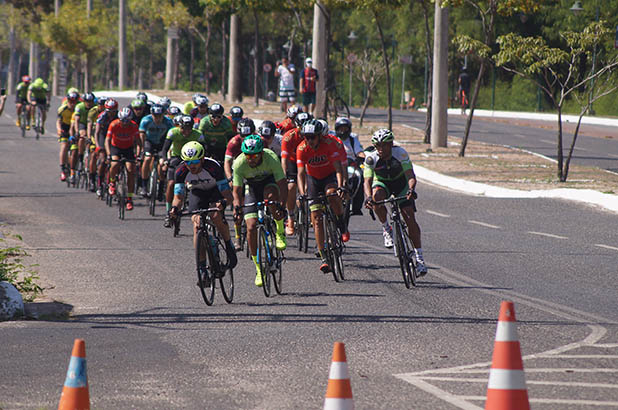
(41, 101)
(255, 193)
(123, 153)
(81, 126)
(64, 134)
(150, 149)
(292, 172)
(317, 187)
(201, 199)
(19, 100)
(171, 167)
(393, 188)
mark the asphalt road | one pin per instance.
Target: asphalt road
(152, 343)
(596, 145)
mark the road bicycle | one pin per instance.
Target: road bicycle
(302, 224)
(38, 119)
(23, 121)
(333, 245)
(335, 104)
(269, 257)
(354, 184)
(211, 259)
(122, 188)
(404, 250)
(154, 185)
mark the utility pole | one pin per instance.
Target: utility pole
(57, 57)
(234, 92)
(321, 18)
(439, 103)
(11, 83)
(122, 41)
(87, 62)
(170, 67)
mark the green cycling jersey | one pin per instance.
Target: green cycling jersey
(388, 170)
(178, 139)
(270, 165)
(38, 92)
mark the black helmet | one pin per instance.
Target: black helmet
(340, 123)
(267, 129)
(245, 127)
(301, 118)
(215, 109)
(311, 127)
(236, 112)
(186, 121)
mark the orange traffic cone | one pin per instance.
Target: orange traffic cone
(506, 389)
(339, 390)
(75, 391)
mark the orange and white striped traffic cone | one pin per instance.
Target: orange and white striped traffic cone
(506, 389)
(339, 390)
(75, 391)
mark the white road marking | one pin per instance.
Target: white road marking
(535, 382)
(484, 224)
(548, 142)
(600, 245)
(549, 235)
(555, 401)
(437, 214)
(549, 370)
(581, 356)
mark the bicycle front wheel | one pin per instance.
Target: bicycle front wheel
(264, 257)
(330, 246)
(337, 252)
(205, 272)
(223, 271)
(401, 250)
(305, 225)
(152, 190)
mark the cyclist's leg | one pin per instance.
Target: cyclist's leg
(171, 170)
(73, 154)
(147, 164)
(291, 175)
(336, 205)
(380, 193)
(271, 192)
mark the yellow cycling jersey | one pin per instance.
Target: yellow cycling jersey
(65, 114)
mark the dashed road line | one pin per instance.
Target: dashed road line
(437, 214)
(600, 245)
(549, 235)
(548, 142)
(484, 224)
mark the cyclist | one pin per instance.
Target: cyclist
(290, 142)
(270, 137)
(93, 114)
(217, 130)
(152, 131)
(63, 126)
(165, 102)
(388, 170)
(206, 183)
(37, 95)
(104, 119)
(201, 109)
(176, 138)
(236, 114)
(21, 100)
(138, 110)
(288, 123)
(80, 124)
(144, 97)
(186, 109)
(121, 141)
(319, 166)
(355, 155)
(246, 127)
(173, 112)
(261, 171)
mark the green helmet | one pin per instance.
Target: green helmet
(192, 150)
(137, 103)
(73, 90)
(252, 144)
(38, 82)
(382, 135)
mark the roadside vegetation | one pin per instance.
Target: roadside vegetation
(14, 270)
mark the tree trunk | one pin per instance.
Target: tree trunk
(365, 105)
(321, 29)
(388, 71)
(135, 63)
(560, 156)
(12, 74)
(192, 56)
(256, 57)
(475, 93)
(565, 173)
(207, 58)
(223, 58)
(234, 70)
(176, 61)
(428, 48)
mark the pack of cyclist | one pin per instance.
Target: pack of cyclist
(205, 158)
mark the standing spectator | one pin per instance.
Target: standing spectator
(464, 89)
(287, 92)
(308, 78)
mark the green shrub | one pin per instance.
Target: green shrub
(15, 272)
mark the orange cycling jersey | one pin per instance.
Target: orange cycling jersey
(286, 125)
(290, 142)
(123, 136)
(319, 162)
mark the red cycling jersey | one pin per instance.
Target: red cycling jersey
(123, 136)
(343, 156)
(291, 141)
(234, 147)
(286, 125)
(319, 162)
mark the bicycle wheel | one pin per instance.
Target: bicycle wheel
(277, 270)
(337, 251)
(205, 272)
(341, 107)
(23, 120)
(305, 223)
(121, 192)
(223, 271)
(264, 257)
(176, 226)
(330, 246)
(37, 122)
(401, 252)
(152, 189)
(300, 228)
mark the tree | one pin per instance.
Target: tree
(560, 74)
(369, 69)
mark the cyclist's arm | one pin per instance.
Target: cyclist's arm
(166, 146)
(367, 187)
(302, 176)
(29, 96)
(2, 101)
(409, 173)
(59, 126)
(108, 143)
(237, 194)
(97, 129)
(142, 137)
(341, 182)
(227, 167)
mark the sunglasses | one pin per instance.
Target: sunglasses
(251, 156)
(216, 117)
(310, 136)
(193, 161)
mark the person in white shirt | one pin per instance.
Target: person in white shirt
(287, 92)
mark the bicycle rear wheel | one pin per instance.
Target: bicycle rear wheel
(205, 272)
(401, 250)
(330, 246)
(121, 192)
(264, 258)
(304, 232)
(152, 189)
(337, 251)
(223, 271)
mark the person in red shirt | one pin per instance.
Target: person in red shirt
(320, 167)
(120, 142)
(289, 143)
(308, 78)
(288, 123)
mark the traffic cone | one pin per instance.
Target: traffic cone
(339, 390)
(75, 391)
(506, 389)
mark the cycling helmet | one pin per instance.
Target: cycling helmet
(236, 112)
(72, 96)
(124, 115)
(293, 111)
(142, 96)
(311, 127)
(157, 109)
(198, 95)
(73, 90)
(343, 122)
(252, 145)
(38, 82)
(177, 119)
(165, 101)
(101, 100)
(382, 135)
(186, 121)
(26, 79)
(191, 151)
(111, 105)
(88, 97)
(201, 101)
(324, 125)
(216, 109)
(245, 127)
(301, 117)
(174, 111)
(267, 129)
(137, 103)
